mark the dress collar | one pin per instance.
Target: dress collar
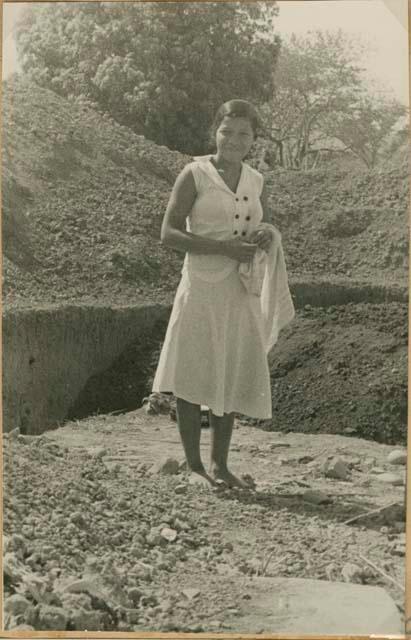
(209, 167)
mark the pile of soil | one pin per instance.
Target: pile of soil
(342, 223)
(83, 201)
(98, 538)
(343, 371)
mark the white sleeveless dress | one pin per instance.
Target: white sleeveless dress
(214, 352)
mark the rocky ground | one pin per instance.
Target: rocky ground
(101, 533)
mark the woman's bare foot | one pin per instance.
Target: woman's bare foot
(200, 479)
(217, 473)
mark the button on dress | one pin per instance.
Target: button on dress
(214, 350)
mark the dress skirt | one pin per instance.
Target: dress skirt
(213, 353)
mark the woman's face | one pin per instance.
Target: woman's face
(234, 138)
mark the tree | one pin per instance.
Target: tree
(159, 68)
(366, 127)
(320, 102)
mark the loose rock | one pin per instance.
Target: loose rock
(397, 457)
(51, 618)
(190, 594)
(168, 534)
(316, 497)
(16, 605)
(391, 478)
(168, 467)
(180, 489)
(336, 468)
(351, 573)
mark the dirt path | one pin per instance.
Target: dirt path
(120, 544)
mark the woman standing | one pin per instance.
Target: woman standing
(215, 349)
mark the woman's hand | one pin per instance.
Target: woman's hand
(239, 250)
(263, 238)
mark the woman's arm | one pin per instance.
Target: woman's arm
(173, 229)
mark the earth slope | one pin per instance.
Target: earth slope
(83, 200)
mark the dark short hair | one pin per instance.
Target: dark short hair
(236, 109)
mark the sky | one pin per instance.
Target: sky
(382, 24)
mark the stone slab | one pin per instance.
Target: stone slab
(320, 607)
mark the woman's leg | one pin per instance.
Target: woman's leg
(221, 432)
(189, 425)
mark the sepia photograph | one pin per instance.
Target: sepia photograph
(205, 285)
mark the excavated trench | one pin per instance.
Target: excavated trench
(69, 362)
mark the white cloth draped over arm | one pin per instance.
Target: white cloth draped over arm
(266, 276)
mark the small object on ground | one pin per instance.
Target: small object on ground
(374, 566)
(398, 549)
(370, 462)
(349, 431)
(399, 526)
(16, 605)
(99, 453)
(397, 457)
(370, 513)
(316, 497)
(52, 618)
(377, 470)
(305, 459)
(352, 573)
(391, 478)
(278, 445)
(336, 468)
(168, 534)
(190, 594)
(153, 538)
(205, 419)
(180, 489)
(167, 467)
(219, 485)
(281, 461)
(29, 439)
(14, 433)
(249, 480)
(157, 404)
(332, 571)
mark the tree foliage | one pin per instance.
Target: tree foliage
(159, 68)
(321, 102)
(366, 128)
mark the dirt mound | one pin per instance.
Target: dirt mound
(344, 223)
(88, 196)
(83, 200)
(343, 371)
